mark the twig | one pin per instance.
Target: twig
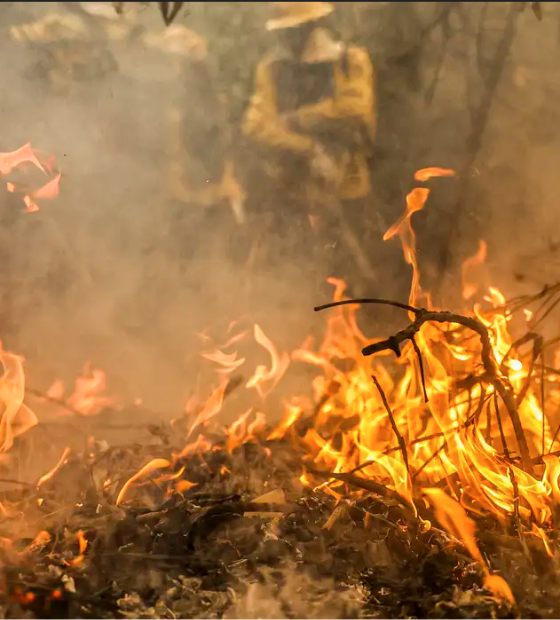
(514, 485)
(55, 401)
(393, 343)
(366, 485)
(421, 367)
(479, 125)
(13, 481)
(489, 423)
(366, 300)
(543, 404)
(426, 463)
(400, 439)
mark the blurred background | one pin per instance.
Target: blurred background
(126, 266)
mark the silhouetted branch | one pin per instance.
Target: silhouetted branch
(400, 439)
(421, 368)
(479, 124)
(492, 372)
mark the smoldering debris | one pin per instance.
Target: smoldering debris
(212, 550)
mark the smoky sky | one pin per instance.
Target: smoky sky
(93, 275)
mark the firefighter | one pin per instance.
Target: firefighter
(312, 119)
(201, 180)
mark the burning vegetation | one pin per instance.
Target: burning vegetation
(421, 479)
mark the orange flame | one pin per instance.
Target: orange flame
(87, 397)
(454, 519)
(211, 408)
(16, 418)
(440, 422)
(25, 154)
(277, 369)
(427, 173)
(147, 469)
(415, 201)
(50, 474)
(83, 544)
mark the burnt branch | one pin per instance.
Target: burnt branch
(400, 438)
(511, 474)
(492, 372)
(421, 368)
(169, 11)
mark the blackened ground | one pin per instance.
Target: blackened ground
(213, 552)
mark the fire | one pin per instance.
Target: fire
(453, 420)
(153, 465)
(16, 417)
(265, 379)
(50, 474)
(88, 397)
(27, 155)
(454, 519)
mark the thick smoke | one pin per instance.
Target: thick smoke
(93, 275)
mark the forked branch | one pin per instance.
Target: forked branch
(492, 372)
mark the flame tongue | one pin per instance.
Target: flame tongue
(16, 418)
(26, 155)
(454, 519)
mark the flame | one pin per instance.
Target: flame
(427, 173)
(87, 397)
(229, 362)
(293, 412)
(538, 531)
(454, 519)
(27, 155)
(432, 420)
(415, 201)
(82, 544)
(153, 465)
(453, 435)
(211, 408)
(184, 485)
(50, 474)
(16, 418)
(277, 369)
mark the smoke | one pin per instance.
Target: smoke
(95, 274)
(291, 593)
(98, 276)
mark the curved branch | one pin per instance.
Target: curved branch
(492, 372)
(367, 300)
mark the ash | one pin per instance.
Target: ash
(244, 540)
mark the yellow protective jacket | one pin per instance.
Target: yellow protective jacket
(201, 170)
(350, 104)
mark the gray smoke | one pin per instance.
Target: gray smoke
(95, 274)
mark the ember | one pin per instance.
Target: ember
(423, 486)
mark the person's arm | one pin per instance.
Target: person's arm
(262, 122)
(354, 98)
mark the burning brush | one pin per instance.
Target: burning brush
(421, 480)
